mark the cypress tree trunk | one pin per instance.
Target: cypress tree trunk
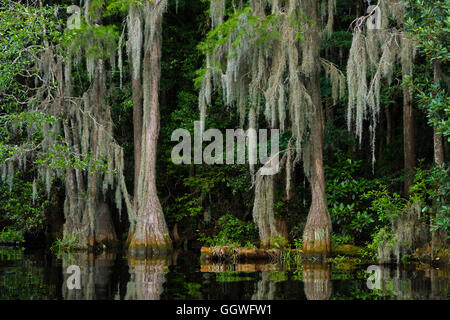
(437, 138)
(137, 128)
(89, 218)
(437, 238)
(317, 233)
(149, 234)
(408, 139)
(438, 148)
(388, 126)
(409, 155)
(269, 225)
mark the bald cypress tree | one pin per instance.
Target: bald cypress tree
(148, 231)
(265, 57)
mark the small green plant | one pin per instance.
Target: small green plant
(65, 244)
(342, 239)
(249, 245)
(298, 244)
(279, 242)
(11, 236)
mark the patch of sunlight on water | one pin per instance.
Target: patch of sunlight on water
(39, 275)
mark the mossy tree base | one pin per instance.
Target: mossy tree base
(149, 246)
(316, 242)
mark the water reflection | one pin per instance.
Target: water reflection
(413, 284)
(317, 281)
(147, 277)
(266, 287)
(39, 275)
(95, 275)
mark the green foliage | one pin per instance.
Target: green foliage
(384, 205)
(11, 236)
(298, 243)
(21, 210)
(21, 39)
(341, 239)
(279, 242)
(434, 99)
(428, 23)
(234, 28)
(97, 41)
(68, 243)
(381, 237)
(432, 188)
(231, 231)
(223, 33)
(357, 205)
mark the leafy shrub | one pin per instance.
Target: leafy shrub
(11, 236)
(432, 188)
(357, 205)
(279, 242)
(298, 243)
(338, 239)
(22, 209)
(231, 231)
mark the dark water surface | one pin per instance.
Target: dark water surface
(38, 275)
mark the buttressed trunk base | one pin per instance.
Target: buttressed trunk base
(317, 237)
(317, 233)
(149, 234)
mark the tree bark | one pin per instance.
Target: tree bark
(149, 235)
(388, 126)
(437, 138)
(317, 233)
(438, 148)
(437, 238)
(137, 130)
(408, 139)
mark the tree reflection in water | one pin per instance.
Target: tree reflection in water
(147, 277)
(317, 281)
(413, 284)
(95, 275)
(265, 288)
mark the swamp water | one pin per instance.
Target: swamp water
(29, 274)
